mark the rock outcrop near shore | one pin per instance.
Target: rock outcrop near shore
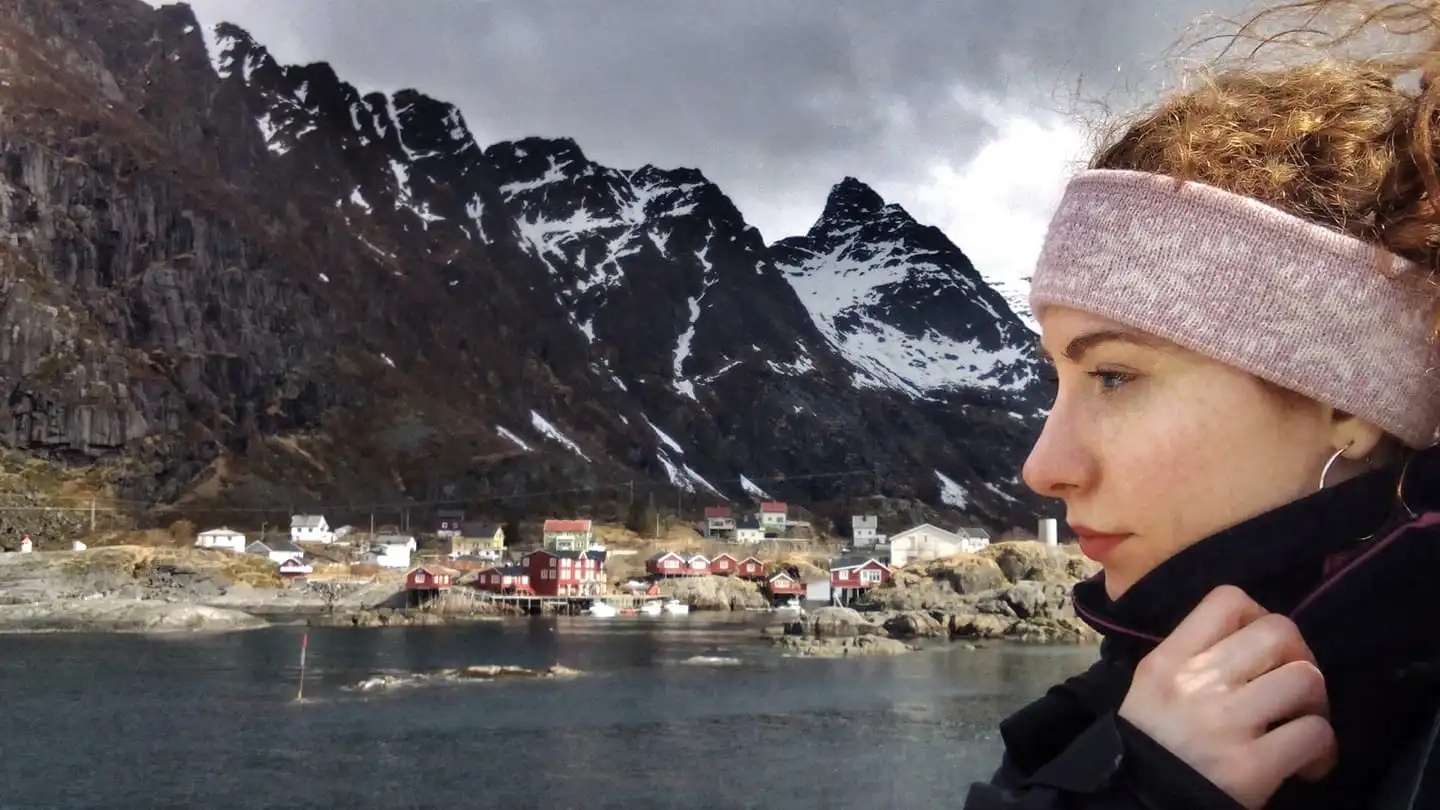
(1017, 591)
(121, 616)
(714, 593)
(1013, 590)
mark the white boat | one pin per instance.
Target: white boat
(602, 609)
(792, 607)
(651, 608)
(675, 607)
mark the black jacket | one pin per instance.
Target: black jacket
(1360, 578)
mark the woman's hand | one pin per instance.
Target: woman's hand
(1234, 692)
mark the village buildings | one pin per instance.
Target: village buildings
(719, 523)
(222, 537)
(448, 522)
(774, 517)
(929, 542)
(483, 540)
(277, 551)
(567, 535)
(310, 529)
(392, 550)
(864, 531)
(565, 573)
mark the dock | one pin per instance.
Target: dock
(562, 604)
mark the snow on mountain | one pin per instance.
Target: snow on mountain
(904, 306)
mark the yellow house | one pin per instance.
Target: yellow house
(478, 539)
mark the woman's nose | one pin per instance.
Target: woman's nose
(1060, 462)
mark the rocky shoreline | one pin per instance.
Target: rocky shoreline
(1015, 591)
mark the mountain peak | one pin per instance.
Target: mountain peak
(851, 200)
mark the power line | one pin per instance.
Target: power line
(629, 486)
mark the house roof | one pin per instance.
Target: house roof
(781, 574)
(724, 555)
(479, 529)
(930, 526)
(511, 570)
(556, 525)
(294, 562)
(221, 532)
(454, 514)
(748, 523)
(755, 560)
(281, 546)
(772, 506)
(433, 569)
(662, 555)
(717, 511)
(694, 557)
(306, 521)
(855, 562)
(562, 555)
(393, 540)
(597, 554)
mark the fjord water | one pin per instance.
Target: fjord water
(659, 720)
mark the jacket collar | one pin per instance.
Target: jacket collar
(1278, 558)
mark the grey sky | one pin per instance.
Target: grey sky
(775, 101)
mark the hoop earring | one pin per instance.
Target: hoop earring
(1324, 473)
(1400, 487)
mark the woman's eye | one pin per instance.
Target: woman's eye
(1111, 380)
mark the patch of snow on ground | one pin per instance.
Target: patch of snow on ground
(357, 199)
(665, 437)
(1002, 493)
(324, 278)
(553, 432)
(952, 493)
(749, 486)
(694, 476)
(388, 361)
(516, 439)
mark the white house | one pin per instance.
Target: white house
(310, 529)
(748, 531)
(773, 516)
(393, 550)
(222, 538)
(863, 531)
(277, 551)
(972, 539)
(924, 542)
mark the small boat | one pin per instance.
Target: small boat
(792, 606)
(651, 608)
(602, 609)
(675, 607)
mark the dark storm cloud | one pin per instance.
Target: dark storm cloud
(773, 100)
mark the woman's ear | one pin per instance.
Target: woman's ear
(1360, 438)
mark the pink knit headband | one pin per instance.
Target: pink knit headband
(1300, 305)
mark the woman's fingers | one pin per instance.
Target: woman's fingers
(1222, 612)
(1265, 644)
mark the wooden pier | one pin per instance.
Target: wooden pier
(562, 604)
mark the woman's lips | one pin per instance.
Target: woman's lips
(1095, 544)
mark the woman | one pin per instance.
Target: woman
(1239, 300)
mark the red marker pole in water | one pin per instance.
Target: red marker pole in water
(304, 643)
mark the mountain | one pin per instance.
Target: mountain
(238, 284)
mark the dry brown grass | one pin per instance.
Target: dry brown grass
(245, 569)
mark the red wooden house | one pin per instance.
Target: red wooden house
(782, 584)
(859, 574)
(666, 564)
(564, 573)
(697, 565)
(750, 568)
(430, 578)
(724, 565)
(509, 579)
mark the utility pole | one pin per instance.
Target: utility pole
(631, 484)
(92, 515)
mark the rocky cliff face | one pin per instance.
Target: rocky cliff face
(233, 282)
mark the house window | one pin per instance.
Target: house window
(870, 575)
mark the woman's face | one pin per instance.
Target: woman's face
(1153, 447)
